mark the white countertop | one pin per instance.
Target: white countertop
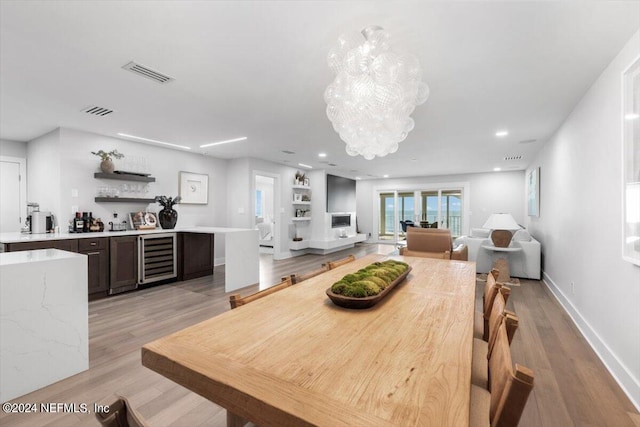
(39, 255)
(26, 237)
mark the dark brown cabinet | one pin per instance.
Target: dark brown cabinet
(124, 264)
(195, 252)
(97, 252)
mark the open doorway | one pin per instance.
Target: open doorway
(264, 212)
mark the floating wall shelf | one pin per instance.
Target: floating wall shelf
(123, 200)
(124, 177)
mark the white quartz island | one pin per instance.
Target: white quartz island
(44, 322)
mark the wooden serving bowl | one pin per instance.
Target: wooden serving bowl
(365, 302)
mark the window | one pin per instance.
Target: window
(439, 207)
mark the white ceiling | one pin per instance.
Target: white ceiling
(258, 69)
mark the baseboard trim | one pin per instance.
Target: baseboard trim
(629, 384)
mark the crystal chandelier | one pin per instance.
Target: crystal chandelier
(374, 93)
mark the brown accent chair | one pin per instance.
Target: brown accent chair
(338, 263)
(510, 389)
(482, 350)
(430, 241)
(121, 414)
(297, 278)
(236, 301)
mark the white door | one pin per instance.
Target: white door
(10, 203)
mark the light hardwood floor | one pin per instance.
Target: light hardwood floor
(572, 387)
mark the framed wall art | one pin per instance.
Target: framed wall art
(533, 192)
(631, 162)
(194, 188)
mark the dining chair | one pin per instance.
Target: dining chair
(481, 321)
(120, 414)
(510, 389)
(430, 240)
(338, 263)
(482, 350)
(297, 278)
(436, 255)
(236, 301)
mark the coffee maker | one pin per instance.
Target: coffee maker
(38, 222)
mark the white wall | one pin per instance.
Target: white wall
(43, 173)
(580, 225)
(488, 193)
(13, 148)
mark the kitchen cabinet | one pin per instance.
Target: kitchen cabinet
(123, 264)
(195, 255)
(97, 252)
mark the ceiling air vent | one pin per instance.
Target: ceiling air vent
(332, 164)
(288, 152)
(97, 111)
(143, 71)
(528, 141)
(513, 158)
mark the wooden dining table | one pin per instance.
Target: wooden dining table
(294, 358)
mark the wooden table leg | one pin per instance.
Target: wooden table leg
(234, 420)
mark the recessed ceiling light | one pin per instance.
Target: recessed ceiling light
(224, 142)
(322, 154)
(153, 140)
(497, 169)
(305, 166)
(502, 133)
(357, 177)
(385, 176)
(631, 116)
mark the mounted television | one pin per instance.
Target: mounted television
(341, 194)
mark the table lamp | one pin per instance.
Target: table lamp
(502, 225)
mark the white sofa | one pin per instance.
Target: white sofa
(524, 263)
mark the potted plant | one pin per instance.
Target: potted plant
(299, 178)
(168, 216)
(106, 165)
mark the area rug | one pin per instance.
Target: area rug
(513, 281)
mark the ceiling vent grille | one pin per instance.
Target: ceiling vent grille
(143, 71)
(97, 111)
(288, 152)
(513, 158)
(528, 141)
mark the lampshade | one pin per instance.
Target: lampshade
(374, 93)
(501, 221)
(501, 224)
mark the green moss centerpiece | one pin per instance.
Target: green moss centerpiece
(369, 285)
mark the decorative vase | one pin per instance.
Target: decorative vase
(168, 218)
(107, 166)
